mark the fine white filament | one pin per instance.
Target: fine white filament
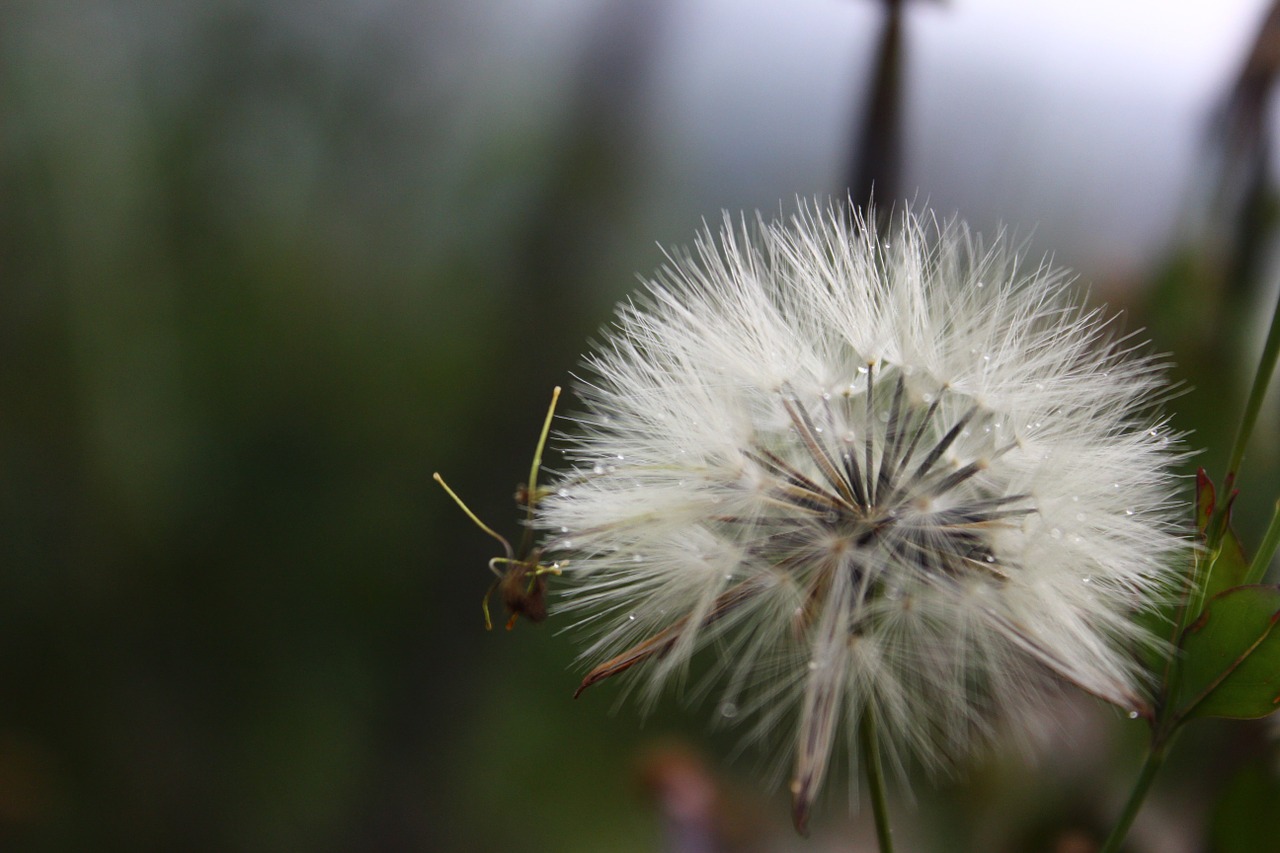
(866, 472)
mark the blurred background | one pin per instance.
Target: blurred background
(265, 266)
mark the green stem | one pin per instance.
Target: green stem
(1261, 381)
(875, 780)
(1139, 793)
(1267, 550)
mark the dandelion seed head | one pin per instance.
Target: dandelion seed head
(898, 476)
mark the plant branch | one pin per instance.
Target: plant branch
(1136, 796)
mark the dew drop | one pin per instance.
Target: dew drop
(564, 530)
(1128, 512)
(597, 468)
(982, 284)
(1086, 579)
(631, 617)
(637, 558)
(728, 710)
(1055, 533)
(862, 369)
(818, 430)
(927, 398)
(564, 493)
(813, 664)
(568, 543)
(826, 395)
(1133, 715)
(621, 457)
(990, 558)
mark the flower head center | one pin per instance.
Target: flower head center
(902, 488)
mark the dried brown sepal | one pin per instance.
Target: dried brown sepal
(521, 576)
(524, 591)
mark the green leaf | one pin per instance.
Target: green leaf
(1229, 566)
(1231, 657)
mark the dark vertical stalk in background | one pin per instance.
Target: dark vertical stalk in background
(876, 162)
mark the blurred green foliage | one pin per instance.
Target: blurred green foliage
(240, 327)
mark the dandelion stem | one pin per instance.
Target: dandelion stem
(875, 779)
(1155, 757)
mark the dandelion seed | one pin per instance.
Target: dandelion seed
(893, 551)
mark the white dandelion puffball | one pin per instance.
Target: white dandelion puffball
(867, 474)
